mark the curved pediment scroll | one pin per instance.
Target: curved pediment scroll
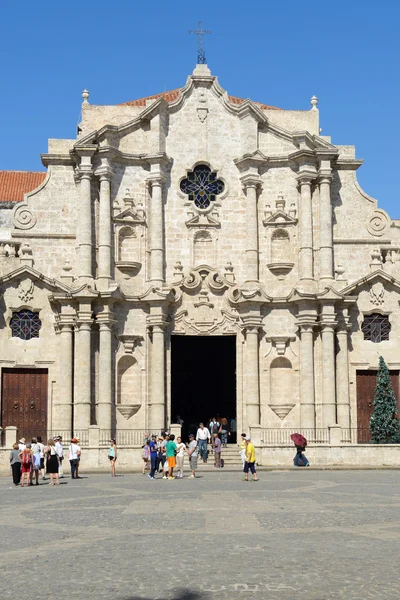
(206, 276)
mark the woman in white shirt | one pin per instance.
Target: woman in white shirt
(180, 455)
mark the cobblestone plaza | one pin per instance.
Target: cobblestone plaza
(309, 534)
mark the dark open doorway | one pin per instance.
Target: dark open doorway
(203, 380)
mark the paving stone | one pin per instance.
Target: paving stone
(317, 535)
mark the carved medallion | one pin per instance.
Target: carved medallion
(26, 289)
(377, 294)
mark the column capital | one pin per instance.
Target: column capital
(83, 325)
(328, 326)
(155, 180)
(158, 322)
(306, 326)
(85, 172)
(305, 178)
(325, 176)
(250, 181)
(104, 173)
(251, 324)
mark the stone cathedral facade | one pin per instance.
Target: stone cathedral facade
(194, 213)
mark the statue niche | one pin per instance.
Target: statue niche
(128, 386)
(281, 391)
(203, 248)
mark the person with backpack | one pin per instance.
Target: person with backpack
(25, 457)
(52, 462)
(35, 450)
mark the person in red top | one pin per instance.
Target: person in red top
(25, 457)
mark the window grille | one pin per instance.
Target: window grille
(376, 327)
(202, 185)
(25, 324)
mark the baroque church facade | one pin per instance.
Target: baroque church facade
(184, 216)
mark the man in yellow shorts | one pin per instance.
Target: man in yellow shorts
(170, 449)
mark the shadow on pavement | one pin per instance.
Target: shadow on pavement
(179, 595)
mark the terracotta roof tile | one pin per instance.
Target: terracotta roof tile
(172, 95)
(14, 184)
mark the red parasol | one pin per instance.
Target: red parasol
(299, 439)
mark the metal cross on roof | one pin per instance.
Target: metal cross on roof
(201, 55)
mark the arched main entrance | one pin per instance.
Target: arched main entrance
(203, 380)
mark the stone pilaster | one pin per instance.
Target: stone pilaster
(328, 375)
(84, 263)
(307, 389)
(157, 376)
(156, 233)
(325, 227)
(104, 257)
(82, 383)
(306, 261)
(105, 400)
(342, 376)
(251, 183)
(64, 420)
(252, 379)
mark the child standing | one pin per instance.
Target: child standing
(145, 456)
(181, 447)
(217, 451)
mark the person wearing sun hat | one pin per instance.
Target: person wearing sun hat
(74, 449)
(22, 444)
(250, 463)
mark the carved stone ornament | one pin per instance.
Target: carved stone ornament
(378, 223)
(281, 410)
(128, 410)
(23, 217)
(377, 294)
(202, 110)
(25, 290)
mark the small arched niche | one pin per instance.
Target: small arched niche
(203, 248)
(128, 245)
(281, 392)
(128, 381)
(281, 253)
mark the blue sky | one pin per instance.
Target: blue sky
(279, 53)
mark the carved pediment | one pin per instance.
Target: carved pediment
(203, 221)
(280, 219)
(130, 217)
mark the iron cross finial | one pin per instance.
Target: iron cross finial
(200, 32)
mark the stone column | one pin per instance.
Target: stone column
(84, 217)
(66, 379)
(306, 270)
(342, 379)
(328, 375)
(307, 396)
(157, 397)
(252, 389)
(105, 400)
(82, 387)
(104, 258)
(156, 232)
(251, 231)
(325, 227)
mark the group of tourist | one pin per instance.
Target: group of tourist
(162, 454)
(30, 460)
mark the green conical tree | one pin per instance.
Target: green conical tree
(384, 423)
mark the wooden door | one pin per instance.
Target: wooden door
(366, 384)
(24, 401)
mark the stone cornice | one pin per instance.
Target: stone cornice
(348, 164)
(57, 159)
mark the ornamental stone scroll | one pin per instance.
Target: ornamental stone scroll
(23, 217)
